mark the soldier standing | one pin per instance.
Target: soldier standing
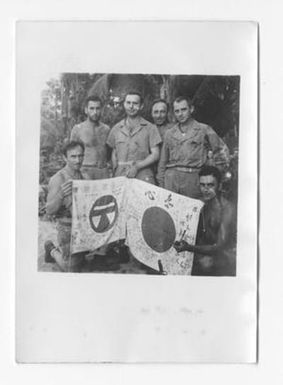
(186, 149)
(134, 142)
(93, 133)
(159, 113)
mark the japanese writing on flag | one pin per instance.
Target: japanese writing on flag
(156, 218)
(98, 213)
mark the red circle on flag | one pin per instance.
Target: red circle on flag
(158, 229)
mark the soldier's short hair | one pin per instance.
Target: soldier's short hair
(159, 101)
(93, 98)
(182, 98)
(211, 170)
(71, 145)
(132, 92)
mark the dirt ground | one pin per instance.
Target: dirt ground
(47, 231)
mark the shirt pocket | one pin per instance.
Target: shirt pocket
(196, 148)
(121, 145)
(175, 150)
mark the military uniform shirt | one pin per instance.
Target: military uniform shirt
(133, 146)
(190, 149)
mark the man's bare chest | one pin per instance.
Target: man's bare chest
(93, 137)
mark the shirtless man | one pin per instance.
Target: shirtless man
(215, 247)
(59, 204)
(93, 134)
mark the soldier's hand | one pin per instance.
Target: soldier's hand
(181, 246)
(66, 188)
(132, 172)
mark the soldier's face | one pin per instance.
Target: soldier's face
(182, 111)
(159, 113)
(93, 111)
(208, 187)
(132, 105)
(74, 158)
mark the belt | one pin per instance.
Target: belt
(184, 168)
(130, 163)
(95, 165)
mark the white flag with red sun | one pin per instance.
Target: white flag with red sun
(150, 218)
(156, 218)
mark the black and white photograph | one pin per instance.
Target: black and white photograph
(178, 134)
(136, 192)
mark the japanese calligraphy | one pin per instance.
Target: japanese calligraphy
(150, 195)
(168, 202)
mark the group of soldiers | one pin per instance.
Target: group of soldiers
(186, 157)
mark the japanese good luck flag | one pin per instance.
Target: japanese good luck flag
(98, 215)
(156, 218)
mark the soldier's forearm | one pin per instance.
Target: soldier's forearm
(148, 161)
(114, 161)
(160, 175)
(160, 180)
(53, 204)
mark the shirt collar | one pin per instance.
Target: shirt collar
(191, 133)
(140, 124)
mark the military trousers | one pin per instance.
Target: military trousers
(182, 182)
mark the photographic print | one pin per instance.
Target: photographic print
(176, 133)
(136, 192)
